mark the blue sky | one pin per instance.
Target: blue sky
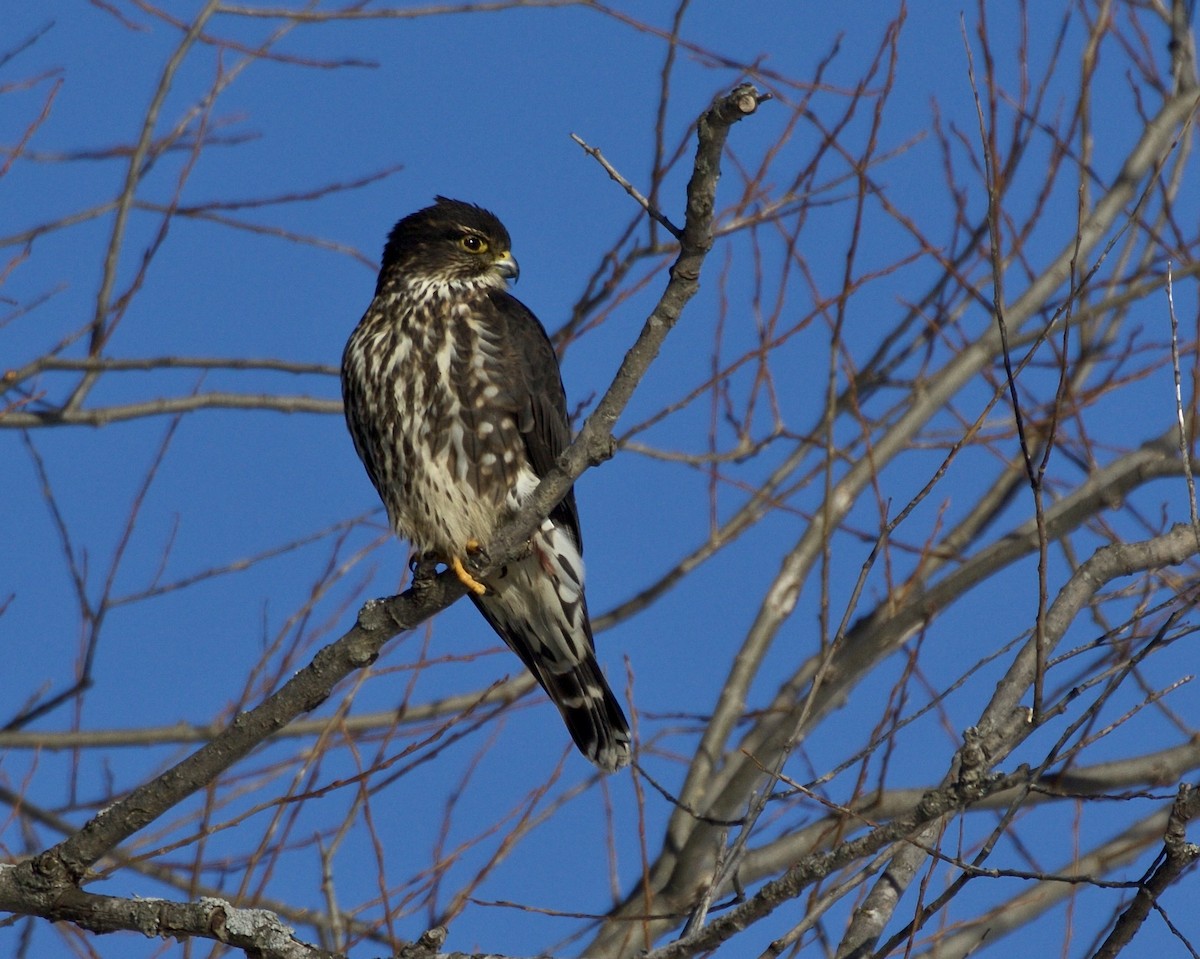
(481, 108)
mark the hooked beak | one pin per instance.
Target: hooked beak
(507, 267)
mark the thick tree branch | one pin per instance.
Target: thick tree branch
(255, 931)
(47, 884)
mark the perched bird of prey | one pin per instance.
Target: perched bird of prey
(457, 410)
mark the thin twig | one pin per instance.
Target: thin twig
(612, 171)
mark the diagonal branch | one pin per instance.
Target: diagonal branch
(595, 444)
(1178, 855)
(54, 875)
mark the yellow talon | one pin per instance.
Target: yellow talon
(464, 577)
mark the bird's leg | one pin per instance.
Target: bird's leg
(474, 547)
(424, 570)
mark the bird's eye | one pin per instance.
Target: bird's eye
(473, 243)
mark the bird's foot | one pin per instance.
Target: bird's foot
(423, 567)
(474, 548)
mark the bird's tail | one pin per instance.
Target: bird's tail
(590, 711)
(537, 606)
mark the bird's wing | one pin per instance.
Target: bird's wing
(540, 398)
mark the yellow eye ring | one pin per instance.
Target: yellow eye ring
(473, 243)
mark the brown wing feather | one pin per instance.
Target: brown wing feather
(541, 399)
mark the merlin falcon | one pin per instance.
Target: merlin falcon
(456, 406)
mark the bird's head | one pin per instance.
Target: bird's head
(451, 243)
